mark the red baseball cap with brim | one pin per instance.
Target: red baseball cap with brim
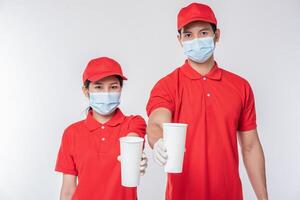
(102, 67)
(195, 12)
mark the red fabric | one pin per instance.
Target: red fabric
(215, 107)
(84, 153)
(99, 68)
(195, 12)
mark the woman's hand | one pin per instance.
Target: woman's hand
(143, 163)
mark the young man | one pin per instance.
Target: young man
(218, 106)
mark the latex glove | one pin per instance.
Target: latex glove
(160, 152)
(143, 163)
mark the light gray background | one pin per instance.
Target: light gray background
(45, 45)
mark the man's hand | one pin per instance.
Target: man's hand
(160, 152)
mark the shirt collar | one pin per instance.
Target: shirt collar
(93, 124)
(215, 73)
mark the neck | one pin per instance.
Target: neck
(102, 118)
(202, 68)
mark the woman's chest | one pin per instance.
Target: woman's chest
(98, 148)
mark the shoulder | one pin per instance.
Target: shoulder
(168, 81)
(73, 128)
(135, 124)
(235, 78)
(135, 119)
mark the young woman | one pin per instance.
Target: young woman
(89, 148)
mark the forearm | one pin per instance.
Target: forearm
(68, 187)
(66, 195)
(133, 134)
(154, 128)
(255, 166)
(154, 133)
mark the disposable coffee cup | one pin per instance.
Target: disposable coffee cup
(130, 156)
(174, 135)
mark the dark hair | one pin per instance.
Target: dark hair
(88, 82)
(213, 26)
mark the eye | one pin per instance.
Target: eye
(204, 33)
(98, 87)
(187, 35)
(115, 87)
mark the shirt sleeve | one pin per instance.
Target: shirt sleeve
(65, 162)
(247, 120)
(137, 125)
(161, 96)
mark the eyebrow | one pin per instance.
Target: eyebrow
(114, 83)
(186, 32)
(100, 83)
(203, 29)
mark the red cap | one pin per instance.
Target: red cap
(195, 12)
(99, 68)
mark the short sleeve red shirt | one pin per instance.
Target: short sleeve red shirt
(89, 150)
(215, 107)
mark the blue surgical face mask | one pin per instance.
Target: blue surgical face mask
(200, 49)
(105, 103)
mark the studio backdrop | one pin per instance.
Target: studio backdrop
(45, 46)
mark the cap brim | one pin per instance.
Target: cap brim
(196, 19)
(103, 75)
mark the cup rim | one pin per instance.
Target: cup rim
(131, 139)
(175, 124)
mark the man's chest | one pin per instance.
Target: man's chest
(208, 99)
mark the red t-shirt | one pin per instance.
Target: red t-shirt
(90, 149)
(215, 107)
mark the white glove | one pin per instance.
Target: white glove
(143, 163)
(160, 152)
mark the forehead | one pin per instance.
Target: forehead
(197, 25)
(107, 80)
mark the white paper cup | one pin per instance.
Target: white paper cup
(174, 135)
(131, 153)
